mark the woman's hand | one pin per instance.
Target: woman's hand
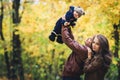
(89, 53)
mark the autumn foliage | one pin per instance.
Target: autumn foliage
(43, 59)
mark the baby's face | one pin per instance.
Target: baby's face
(76, 15)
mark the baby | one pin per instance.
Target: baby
(68, 19)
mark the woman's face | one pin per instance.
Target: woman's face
(96, 45)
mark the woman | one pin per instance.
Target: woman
(96, 66)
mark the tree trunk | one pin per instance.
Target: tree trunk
(116, 37)
(1, 19)
(2, 38)
(17, 71)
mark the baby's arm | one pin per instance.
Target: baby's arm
(73, 24)
(69, 14)
(66, 18)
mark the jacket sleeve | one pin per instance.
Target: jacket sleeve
(93, 64)
(72, 44)
(69, 14)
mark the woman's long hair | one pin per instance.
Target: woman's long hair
(104, 49)
(104, 45)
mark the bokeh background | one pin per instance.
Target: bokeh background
(26, 53)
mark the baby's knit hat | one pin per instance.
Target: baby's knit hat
(79, 10)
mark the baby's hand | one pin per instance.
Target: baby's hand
(66, 23)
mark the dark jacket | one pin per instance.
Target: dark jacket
(97, 67)
(69, 17)
(74, 65)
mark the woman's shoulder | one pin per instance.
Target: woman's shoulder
(107, 59)
(98, 58)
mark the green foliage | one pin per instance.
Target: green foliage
(3, 71)
(112, 73)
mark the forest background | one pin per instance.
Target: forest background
(25, 50)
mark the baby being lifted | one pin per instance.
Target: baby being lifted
(68, 19)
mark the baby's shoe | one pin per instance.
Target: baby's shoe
(59, 39)
(52, 36)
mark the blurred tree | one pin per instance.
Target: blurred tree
(42, 59)
(3, 39)
(117, 44)
(1, 19)
(17, 66)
